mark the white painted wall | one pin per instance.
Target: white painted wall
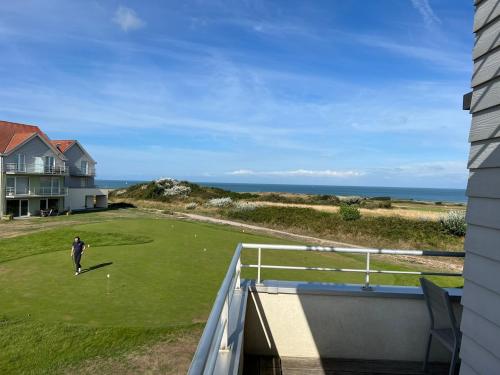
(339, 326)
(80, 199)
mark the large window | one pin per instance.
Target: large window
(50, 185)
(85, 167)
(50, 163)
(21, 162)
(11, 185)
(22, 185)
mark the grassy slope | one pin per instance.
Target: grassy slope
(369, 231)
(163, 279)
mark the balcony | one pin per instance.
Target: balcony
(286, 327)
(90, 171)
(56, 170)
(11, 192)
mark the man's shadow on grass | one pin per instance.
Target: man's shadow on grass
(97, 266)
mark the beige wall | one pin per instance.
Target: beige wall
(78, 199)
(336, 326)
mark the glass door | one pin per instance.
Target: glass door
(50, 164)
(11, 186)
(55, 186)
(22, 185)
(24, 207)
(13, 207)
(44, 204)
(38, 166)
(21, 163)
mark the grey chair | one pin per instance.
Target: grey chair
(444, 325)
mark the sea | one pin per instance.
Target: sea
(416, 194)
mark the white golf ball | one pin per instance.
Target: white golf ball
(108, 275)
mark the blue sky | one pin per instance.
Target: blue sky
(311, 92)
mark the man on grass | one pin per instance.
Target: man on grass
(76, 252)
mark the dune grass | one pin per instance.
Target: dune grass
(163, 277)
(380, 231)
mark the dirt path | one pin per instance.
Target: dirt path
(443, 264)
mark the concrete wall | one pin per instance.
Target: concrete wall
(81, 199)
(75, 155)
(480, 352)
(339, 326)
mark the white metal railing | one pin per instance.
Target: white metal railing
(367, 251)
(215, 335)
(58, 169)
(214, 338)
(39, 192)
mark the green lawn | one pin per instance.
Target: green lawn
(163, 277)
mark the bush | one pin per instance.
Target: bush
(350, 200)
(454, 223)
(191, 206)
(244, 206)
(220, 202)
(349, 213)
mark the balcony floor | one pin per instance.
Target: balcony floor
(261, 365)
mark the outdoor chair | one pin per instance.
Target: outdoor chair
(444, 326)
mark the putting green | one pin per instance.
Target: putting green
(170, 280)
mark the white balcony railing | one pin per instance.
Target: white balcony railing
(219, 340)
(36, 192)
(36, 169)
(89, 171)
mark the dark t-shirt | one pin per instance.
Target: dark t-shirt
(78, 246)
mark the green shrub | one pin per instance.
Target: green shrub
(354, 199)
(454, 223)
(349, 213)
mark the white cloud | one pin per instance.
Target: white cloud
(127, 19)
(425, 10)
(297, 172)
(428, 169)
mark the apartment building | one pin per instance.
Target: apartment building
(39, 175)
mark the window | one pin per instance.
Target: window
(50, 164)
(49, 185)
(22, 185)
(21, 162)
(85, 167)
(55, 185)
(11, 185)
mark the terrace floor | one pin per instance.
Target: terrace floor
(262, 365)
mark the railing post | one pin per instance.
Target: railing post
(238, 274)
(259, 256)
(225, 317)
(367, 275)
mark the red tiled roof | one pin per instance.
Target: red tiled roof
(13, 134)
(63, 144)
